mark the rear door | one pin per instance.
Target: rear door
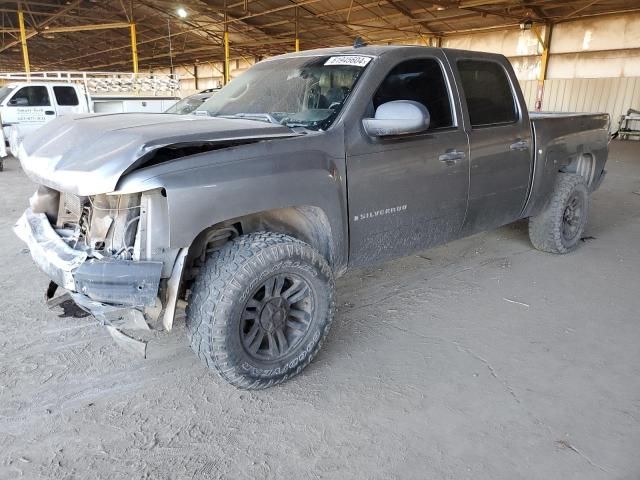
(408, 192)
(67, 100)
(497, 123)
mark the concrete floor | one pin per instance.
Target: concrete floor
(483, 359)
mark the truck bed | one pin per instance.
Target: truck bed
(560, 139)
(540, 115)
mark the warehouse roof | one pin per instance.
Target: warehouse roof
(95, 34)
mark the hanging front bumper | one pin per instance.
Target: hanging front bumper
(107, 281)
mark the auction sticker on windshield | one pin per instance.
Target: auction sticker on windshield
(354, 60)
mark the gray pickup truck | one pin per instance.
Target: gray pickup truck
(303, 167)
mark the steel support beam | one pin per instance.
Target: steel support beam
(226, 57)
(406, 12)
(545, 43)
(479, 3)
(23, 42)
(134, 48)
(297, 43)
(82, 28)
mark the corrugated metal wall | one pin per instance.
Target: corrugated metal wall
(529, 89)
(611, 95)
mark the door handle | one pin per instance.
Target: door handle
(49, 112)
(450, 157)
(519, 146)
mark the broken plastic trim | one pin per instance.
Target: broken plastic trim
(52, 255)
(173, 289)
(116, 319)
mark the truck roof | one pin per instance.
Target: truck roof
(39, 84)
(374, 51)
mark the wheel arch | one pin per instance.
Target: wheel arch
(583, 164)
(307, 223)
(557, 160)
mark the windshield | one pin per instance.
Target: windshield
(5, 91)
(187, 105)
(297, 92)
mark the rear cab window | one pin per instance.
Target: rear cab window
(65, 96)
(489, 96)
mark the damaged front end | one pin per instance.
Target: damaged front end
(110, 252)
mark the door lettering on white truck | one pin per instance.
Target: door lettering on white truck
(30, 114)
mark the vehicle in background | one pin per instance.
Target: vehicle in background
(3, 147)
(306, 165)
(28, 103)
(192, 102)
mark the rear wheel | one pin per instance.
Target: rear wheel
(260, 308)
(559, 227)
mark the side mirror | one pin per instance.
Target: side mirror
(400, 117)
(19, 102)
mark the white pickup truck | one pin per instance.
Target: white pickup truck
(27, 105)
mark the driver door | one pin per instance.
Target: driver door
(409, 192)
(28, 109)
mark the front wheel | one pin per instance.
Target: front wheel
(559, 227)
(260, 309)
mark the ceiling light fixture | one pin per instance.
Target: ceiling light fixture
(526, 24)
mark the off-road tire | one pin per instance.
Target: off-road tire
(224, 287)
(546, 229)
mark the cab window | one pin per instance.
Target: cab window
(31, 97)
(66, 96)
(488, 92)
(421, 80)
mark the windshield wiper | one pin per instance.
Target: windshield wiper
(266, 117)
(261, 117)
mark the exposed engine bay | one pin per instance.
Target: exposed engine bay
(111, 252)
(98, 249)
(103, 226)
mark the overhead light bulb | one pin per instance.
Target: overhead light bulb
(182, 13)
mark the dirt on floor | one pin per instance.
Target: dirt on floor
(482, 359)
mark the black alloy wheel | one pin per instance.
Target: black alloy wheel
(277, 317)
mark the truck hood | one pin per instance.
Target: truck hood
(88, 154)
